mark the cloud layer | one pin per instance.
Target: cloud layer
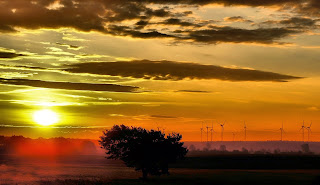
(169, 70)
(69, 85)
(10, 55)
(109, 17)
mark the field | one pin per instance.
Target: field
(215, 177)
(194, 170)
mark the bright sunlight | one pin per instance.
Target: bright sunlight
(45, 117)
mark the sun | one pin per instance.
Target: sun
(45, 117)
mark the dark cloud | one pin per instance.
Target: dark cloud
(141, 24)
(10, 55)
(69, 46)
(292, 23)
(179, 22)
(127, 11)
(69, 85)
(237, 35)
(6, 29)
(22, 67)
(78, 14)
(237, 19)
(82, 15)
(193, 91)
(298, 21)
(211, 35)
(163, 117)
(127, 31)
(107, 16)
(206, 2)
(309, 7)
(171, 21)
(169, 70)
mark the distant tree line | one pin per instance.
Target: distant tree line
(305, 150)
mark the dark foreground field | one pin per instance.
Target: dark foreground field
(208, 177)
(251, 162)
(215, 170)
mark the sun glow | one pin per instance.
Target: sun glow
(45, 117)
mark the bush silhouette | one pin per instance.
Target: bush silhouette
(305, 148)
(148, 151)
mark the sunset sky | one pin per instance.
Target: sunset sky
(172, 64)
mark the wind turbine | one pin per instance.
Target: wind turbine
(163, 129)
(160, 128)
(201, 130)
(245, 131)
(208, 133)
(234, 135)
(282, 131)
(222, 129)
(302, 128)
(212, 132)
(309, 130)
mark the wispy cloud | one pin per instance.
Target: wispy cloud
(163, 117)
(69, 85)
(237, 19)
(292, 23)
(10, 55)
(193, 91)
(69, 46)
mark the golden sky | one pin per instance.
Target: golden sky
(174, 64)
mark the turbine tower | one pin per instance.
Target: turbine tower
(212, 132)
(245, 131)
(207, 133)
(164, 129)
(302, 128)
(234, 135)
(309, 131)
(160, 128)
(201, 130)
(222, 129)
(282, 131)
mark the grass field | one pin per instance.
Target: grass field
(252, 161)
(196, 170)
(208, 177)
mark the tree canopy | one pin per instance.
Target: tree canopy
(147, 150)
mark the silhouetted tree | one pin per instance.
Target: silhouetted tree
(148, 151)
(223, 148)
(244, 150)
(277, 151)
(208, 145)
(305, 148)
(192, 148)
